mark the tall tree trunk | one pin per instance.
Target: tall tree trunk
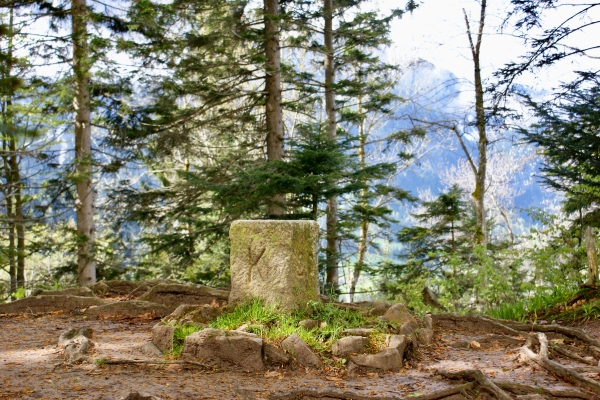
(592, 256)
(480, 173)
(273, 113)
(12, 261)
(332, 203)
(363, 240)
(86, 265)
(14, 209)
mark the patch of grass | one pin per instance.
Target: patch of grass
(181, 332)
(266, 322)
(533, 307)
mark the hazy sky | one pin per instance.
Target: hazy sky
(436, 32)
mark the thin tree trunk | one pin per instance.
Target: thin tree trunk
(273, 114)
(592, 256)
(86, 265)
(364, 224)
(332, 204)
(9, 147)
(480, 176)
(18, 213)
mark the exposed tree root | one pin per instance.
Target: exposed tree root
(564, 352)
(521, 389)
(126, 361)
(343, 395)
(573, 333)
(587, 369)
(555, 368)
(477, 376)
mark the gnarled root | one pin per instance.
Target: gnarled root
(568, 374)
(482, 380)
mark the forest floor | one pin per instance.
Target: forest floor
(31, 367)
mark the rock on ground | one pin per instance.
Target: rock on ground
(365, 332)
(175, 294)
(309, 324)
(149, 349)
(399, 315)
(274, 356)
(131, 308)
(301, 352)
(162, 337)
(275, 261)
(223, 349)
(425, 336)
(398, 342)
(348, 345)
(387, 359)
(75, 343)
(41, 304)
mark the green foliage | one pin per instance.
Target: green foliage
(272, 326)
(179, 335)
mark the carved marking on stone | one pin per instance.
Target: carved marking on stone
(254, 259)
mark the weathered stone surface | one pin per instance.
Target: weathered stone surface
(274, 356)
(398, 342)
(275, 261)
(180, 312)
(40, 304)
(407, 329)
(428, 321)
(223, 349)
(365, 332)
(149, 349)
(162, 337)
(78, 291)
(387, 359)
(309, 324)
(378, 308)
(398, 315)
(348, 345)
(300, 351)
(194, 314)
(425, 336)
(75, 343)
(175, 294)
(430, 299)
(131, 308)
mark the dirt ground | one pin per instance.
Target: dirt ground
(31, 366)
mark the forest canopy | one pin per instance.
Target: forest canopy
(135, 133)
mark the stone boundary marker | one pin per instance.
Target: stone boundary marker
(275, 261)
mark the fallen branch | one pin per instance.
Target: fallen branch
(520, 389)
(342, 394)
(555, 368)
(479, 377)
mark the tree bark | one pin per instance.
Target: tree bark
(86, 265)
(363, 240)
(12, 176)
(592, 256)
(332, 204)
(480, 173)
(273, 113)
